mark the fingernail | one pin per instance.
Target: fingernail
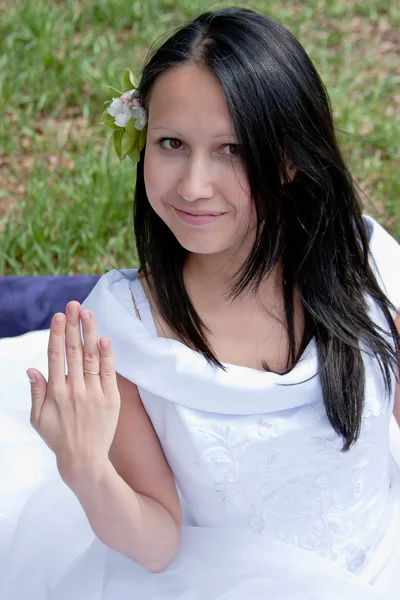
(31, 378)
(73, 310)
(60, 319)
(104, 343)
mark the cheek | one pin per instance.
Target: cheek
(247, 216)
(252, 213)
(244, 205)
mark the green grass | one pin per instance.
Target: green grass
(66, 203)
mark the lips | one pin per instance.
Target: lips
(199, 213)
(198, 217)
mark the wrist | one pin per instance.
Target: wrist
(84, 479)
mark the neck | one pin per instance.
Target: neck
(211, 276)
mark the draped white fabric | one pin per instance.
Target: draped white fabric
(272, 507)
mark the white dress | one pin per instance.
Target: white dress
(272, 508)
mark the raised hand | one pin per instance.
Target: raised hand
(76, 414)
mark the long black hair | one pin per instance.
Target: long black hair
(313, 225)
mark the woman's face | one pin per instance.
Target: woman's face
(193, 173)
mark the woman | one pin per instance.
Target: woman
(242, 448)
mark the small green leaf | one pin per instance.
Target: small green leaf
(142, 138)
(134, 156)
(117, 138)
(130, 125)
(133, 79)
(128, 143)
(127, 81)
(108, 120)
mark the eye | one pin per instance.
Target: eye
(233, 150)
(172, 143)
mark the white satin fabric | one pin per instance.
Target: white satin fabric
(272, 507)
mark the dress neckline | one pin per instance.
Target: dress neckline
(171, 370)
(146, 317)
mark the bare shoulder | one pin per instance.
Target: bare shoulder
(136, 452)
(396, 410)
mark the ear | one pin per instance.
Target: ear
(291, 172)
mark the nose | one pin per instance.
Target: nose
(195, 182)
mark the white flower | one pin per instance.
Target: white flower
(126, 107)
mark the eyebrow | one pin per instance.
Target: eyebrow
(220, 135)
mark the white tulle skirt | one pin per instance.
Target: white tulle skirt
(49, 552)
(54, 556)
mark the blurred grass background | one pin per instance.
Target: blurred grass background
(66, 203)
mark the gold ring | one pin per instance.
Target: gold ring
(91, 372)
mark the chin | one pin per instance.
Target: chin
(200, 246)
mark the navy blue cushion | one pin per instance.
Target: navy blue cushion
(28, 303)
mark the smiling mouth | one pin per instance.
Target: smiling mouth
(197, 218)
(199, 213)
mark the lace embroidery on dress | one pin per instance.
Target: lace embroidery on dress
(317, 500)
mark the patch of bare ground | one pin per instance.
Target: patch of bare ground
(382, 42)
(61, 133)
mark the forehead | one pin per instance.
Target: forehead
(188, 94)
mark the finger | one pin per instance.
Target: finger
(73, 343)
(38, 395)
(107, 369)
(56, 350)
(91, 354)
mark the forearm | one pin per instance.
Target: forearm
(130, 523)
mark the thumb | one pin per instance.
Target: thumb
(38, 394)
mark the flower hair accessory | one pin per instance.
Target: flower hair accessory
(128, 118)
